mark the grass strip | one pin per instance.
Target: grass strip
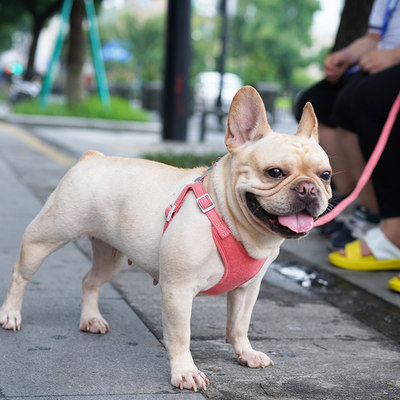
(119, 109)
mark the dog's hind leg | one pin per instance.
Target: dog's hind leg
(107, 262)
(58, 223)
(35, 248)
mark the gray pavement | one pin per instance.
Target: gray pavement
(323, 345)
(50, 357)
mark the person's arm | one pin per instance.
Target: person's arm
(338, 62)
(378, 60)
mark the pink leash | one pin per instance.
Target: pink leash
(369, 167)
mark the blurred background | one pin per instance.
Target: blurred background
(276, 46)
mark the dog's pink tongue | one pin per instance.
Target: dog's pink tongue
(299, 223)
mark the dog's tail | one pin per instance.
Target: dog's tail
(90, 154)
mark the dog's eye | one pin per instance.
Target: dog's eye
(326, 176)
(276, 173)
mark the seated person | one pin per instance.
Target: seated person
(380, 247)
(334, 102)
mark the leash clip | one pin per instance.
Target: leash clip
(200, 178)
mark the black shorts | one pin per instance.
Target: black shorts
(334, 103)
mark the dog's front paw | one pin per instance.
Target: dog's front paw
(10, 320)
(254, 359)
(94, 325)
(192, 379)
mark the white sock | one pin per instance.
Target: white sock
(381, 247)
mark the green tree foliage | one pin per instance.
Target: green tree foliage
(266, 39)
(11, 20)
(206, 46)
(144, 38)
(27, 16)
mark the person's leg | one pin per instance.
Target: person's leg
(355, 163)
(323, 97)
(336, 137)
(333, 145)
(374, 99)
(348, 163)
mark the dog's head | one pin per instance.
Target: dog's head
(280, 182)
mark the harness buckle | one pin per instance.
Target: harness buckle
(205, 210)
(170, 212)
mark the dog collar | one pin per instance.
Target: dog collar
(239, 266)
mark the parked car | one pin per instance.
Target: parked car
(207, 90)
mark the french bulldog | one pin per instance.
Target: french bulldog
(268, 187)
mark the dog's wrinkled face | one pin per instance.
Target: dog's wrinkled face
(285, 184)
(281, 182)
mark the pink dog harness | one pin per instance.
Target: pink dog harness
(239, 266)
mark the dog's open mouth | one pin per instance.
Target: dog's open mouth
(288, 226)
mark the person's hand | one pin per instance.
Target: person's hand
(378, 60)
(337, 63)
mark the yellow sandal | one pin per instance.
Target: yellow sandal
(394, 284)
(355, 261)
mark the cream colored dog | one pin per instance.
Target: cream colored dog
(269, 187)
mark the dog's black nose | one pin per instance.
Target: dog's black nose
(307, 191)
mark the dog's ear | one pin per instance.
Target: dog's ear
(247, 119)
(308, 126)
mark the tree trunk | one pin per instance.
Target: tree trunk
(76, 55)
(37, 28)
(353, 22)
(39, 19)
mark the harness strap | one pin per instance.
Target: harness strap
(205, 204)
(239, 266)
